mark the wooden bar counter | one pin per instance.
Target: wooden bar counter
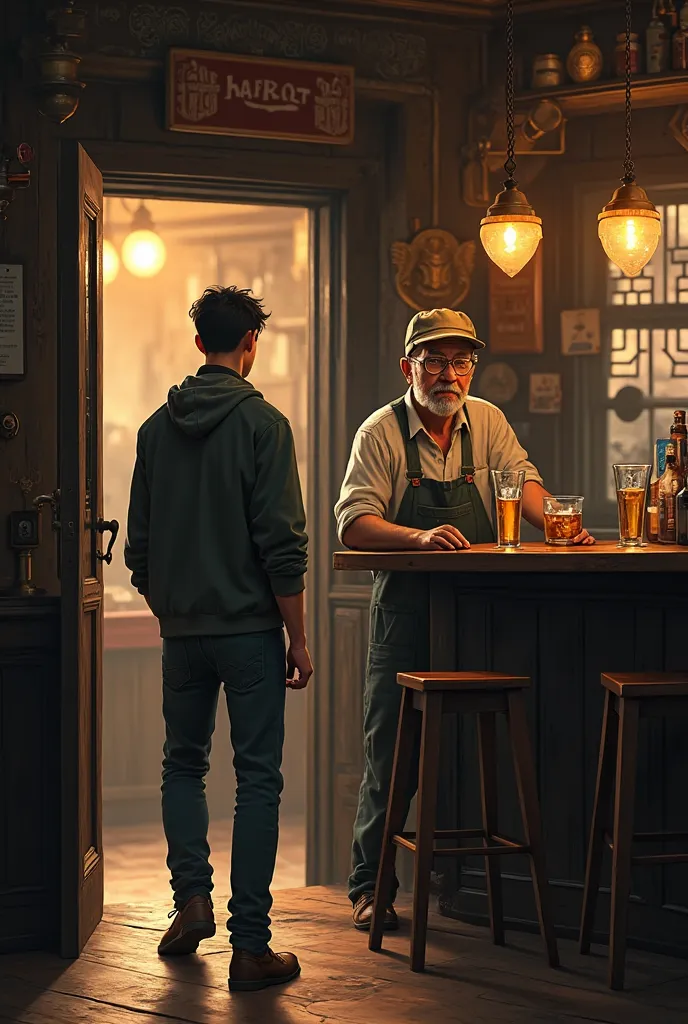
(561, 616)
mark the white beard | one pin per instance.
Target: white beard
(439, 405)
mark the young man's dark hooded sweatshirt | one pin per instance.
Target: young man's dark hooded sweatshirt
(216, 522)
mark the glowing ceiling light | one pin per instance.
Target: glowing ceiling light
(510, 231)
(629, 226)
(143, 250)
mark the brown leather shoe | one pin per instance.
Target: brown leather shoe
(248, 972)
(192, 923)
(363, 914)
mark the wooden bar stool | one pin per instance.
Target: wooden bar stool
(627, 697)
(433, 694)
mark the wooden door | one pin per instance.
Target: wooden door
(79, 505)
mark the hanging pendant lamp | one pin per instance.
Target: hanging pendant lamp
(629, 226)
(143, 250)
(510, 232)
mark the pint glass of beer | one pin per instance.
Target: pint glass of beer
(563, 517)
(508, 489)
(631, 493)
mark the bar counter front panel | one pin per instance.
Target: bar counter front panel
(561, 616)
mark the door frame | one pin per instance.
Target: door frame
(331, 189)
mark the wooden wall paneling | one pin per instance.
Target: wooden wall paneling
(29, 776)
(29, 237)
(651, 813)
(349, 642)
(675, 766)
(561, 623)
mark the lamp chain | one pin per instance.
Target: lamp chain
(629, 169)
(510, 163)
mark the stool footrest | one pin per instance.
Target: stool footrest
(651, 837)
(504, 845)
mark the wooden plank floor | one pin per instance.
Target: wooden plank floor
(120, 979)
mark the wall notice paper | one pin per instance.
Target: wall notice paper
(11, 320)
(580, 332)
(545, 392)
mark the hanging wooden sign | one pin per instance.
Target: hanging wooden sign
(224, 94)
(516, 308)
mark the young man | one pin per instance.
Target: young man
(217, 546)
(418, 478)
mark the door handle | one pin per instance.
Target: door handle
(54, 501)
(110, 526)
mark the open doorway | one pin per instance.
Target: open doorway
(150, 282)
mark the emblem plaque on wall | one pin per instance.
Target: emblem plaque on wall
(498, 383)
(433, 270)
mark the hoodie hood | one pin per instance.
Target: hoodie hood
(200, 403)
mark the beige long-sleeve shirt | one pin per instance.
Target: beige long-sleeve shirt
(375, 479)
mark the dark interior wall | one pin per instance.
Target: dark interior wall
(574, 265)
(398, 61)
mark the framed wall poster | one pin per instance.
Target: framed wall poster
(12, 356)
(516, 309)
(580, 332)
(545, 393)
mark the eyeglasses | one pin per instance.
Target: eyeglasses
(435, 365)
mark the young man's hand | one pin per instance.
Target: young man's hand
(299, 667)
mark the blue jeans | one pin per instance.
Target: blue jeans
(252, 668)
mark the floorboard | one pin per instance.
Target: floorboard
(120, 979)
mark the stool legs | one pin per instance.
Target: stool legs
(530, 811)
(394, 819)
(600, 822)
(425, 831)
(487, 753)
(624, 801)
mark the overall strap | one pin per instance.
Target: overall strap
(413, 471)
(467, 463)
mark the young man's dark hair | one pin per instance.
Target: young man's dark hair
(216, 544)
(223, 316)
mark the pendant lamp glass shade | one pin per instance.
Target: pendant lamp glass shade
(143, 250)
(110, 262)
(629, 226)
(510, 231)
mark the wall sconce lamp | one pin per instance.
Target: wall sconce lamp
(58, 88)
(11, 180)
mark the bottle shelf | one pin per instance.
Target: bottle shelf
(607, 96)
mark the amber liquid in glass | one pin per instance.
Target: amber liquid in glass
(562, 527)
(631, 501)
(509, 522)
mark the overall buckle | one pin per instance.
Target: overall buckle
(415, 478)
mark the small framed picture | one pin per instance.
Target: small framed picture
(545, 392)
(580, 332)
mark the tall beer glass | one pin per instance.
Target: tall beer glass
(508, 490)
(631, 493)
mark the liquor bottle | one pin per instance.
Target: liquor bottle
(679, 42)
(682, 514)
(652, 520)
(666, 10)
(671, 481)
(657, 43)
(679, 438)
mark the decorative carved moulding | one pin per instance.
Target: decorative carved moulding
(433, 270)
(121, 29)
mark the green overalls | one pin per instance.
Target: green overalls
(399, 625)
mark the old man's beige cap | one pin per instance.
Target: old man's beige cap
(434, 324)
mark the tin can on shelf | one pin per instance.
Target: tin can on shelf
(620, 55)
(548, 71)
